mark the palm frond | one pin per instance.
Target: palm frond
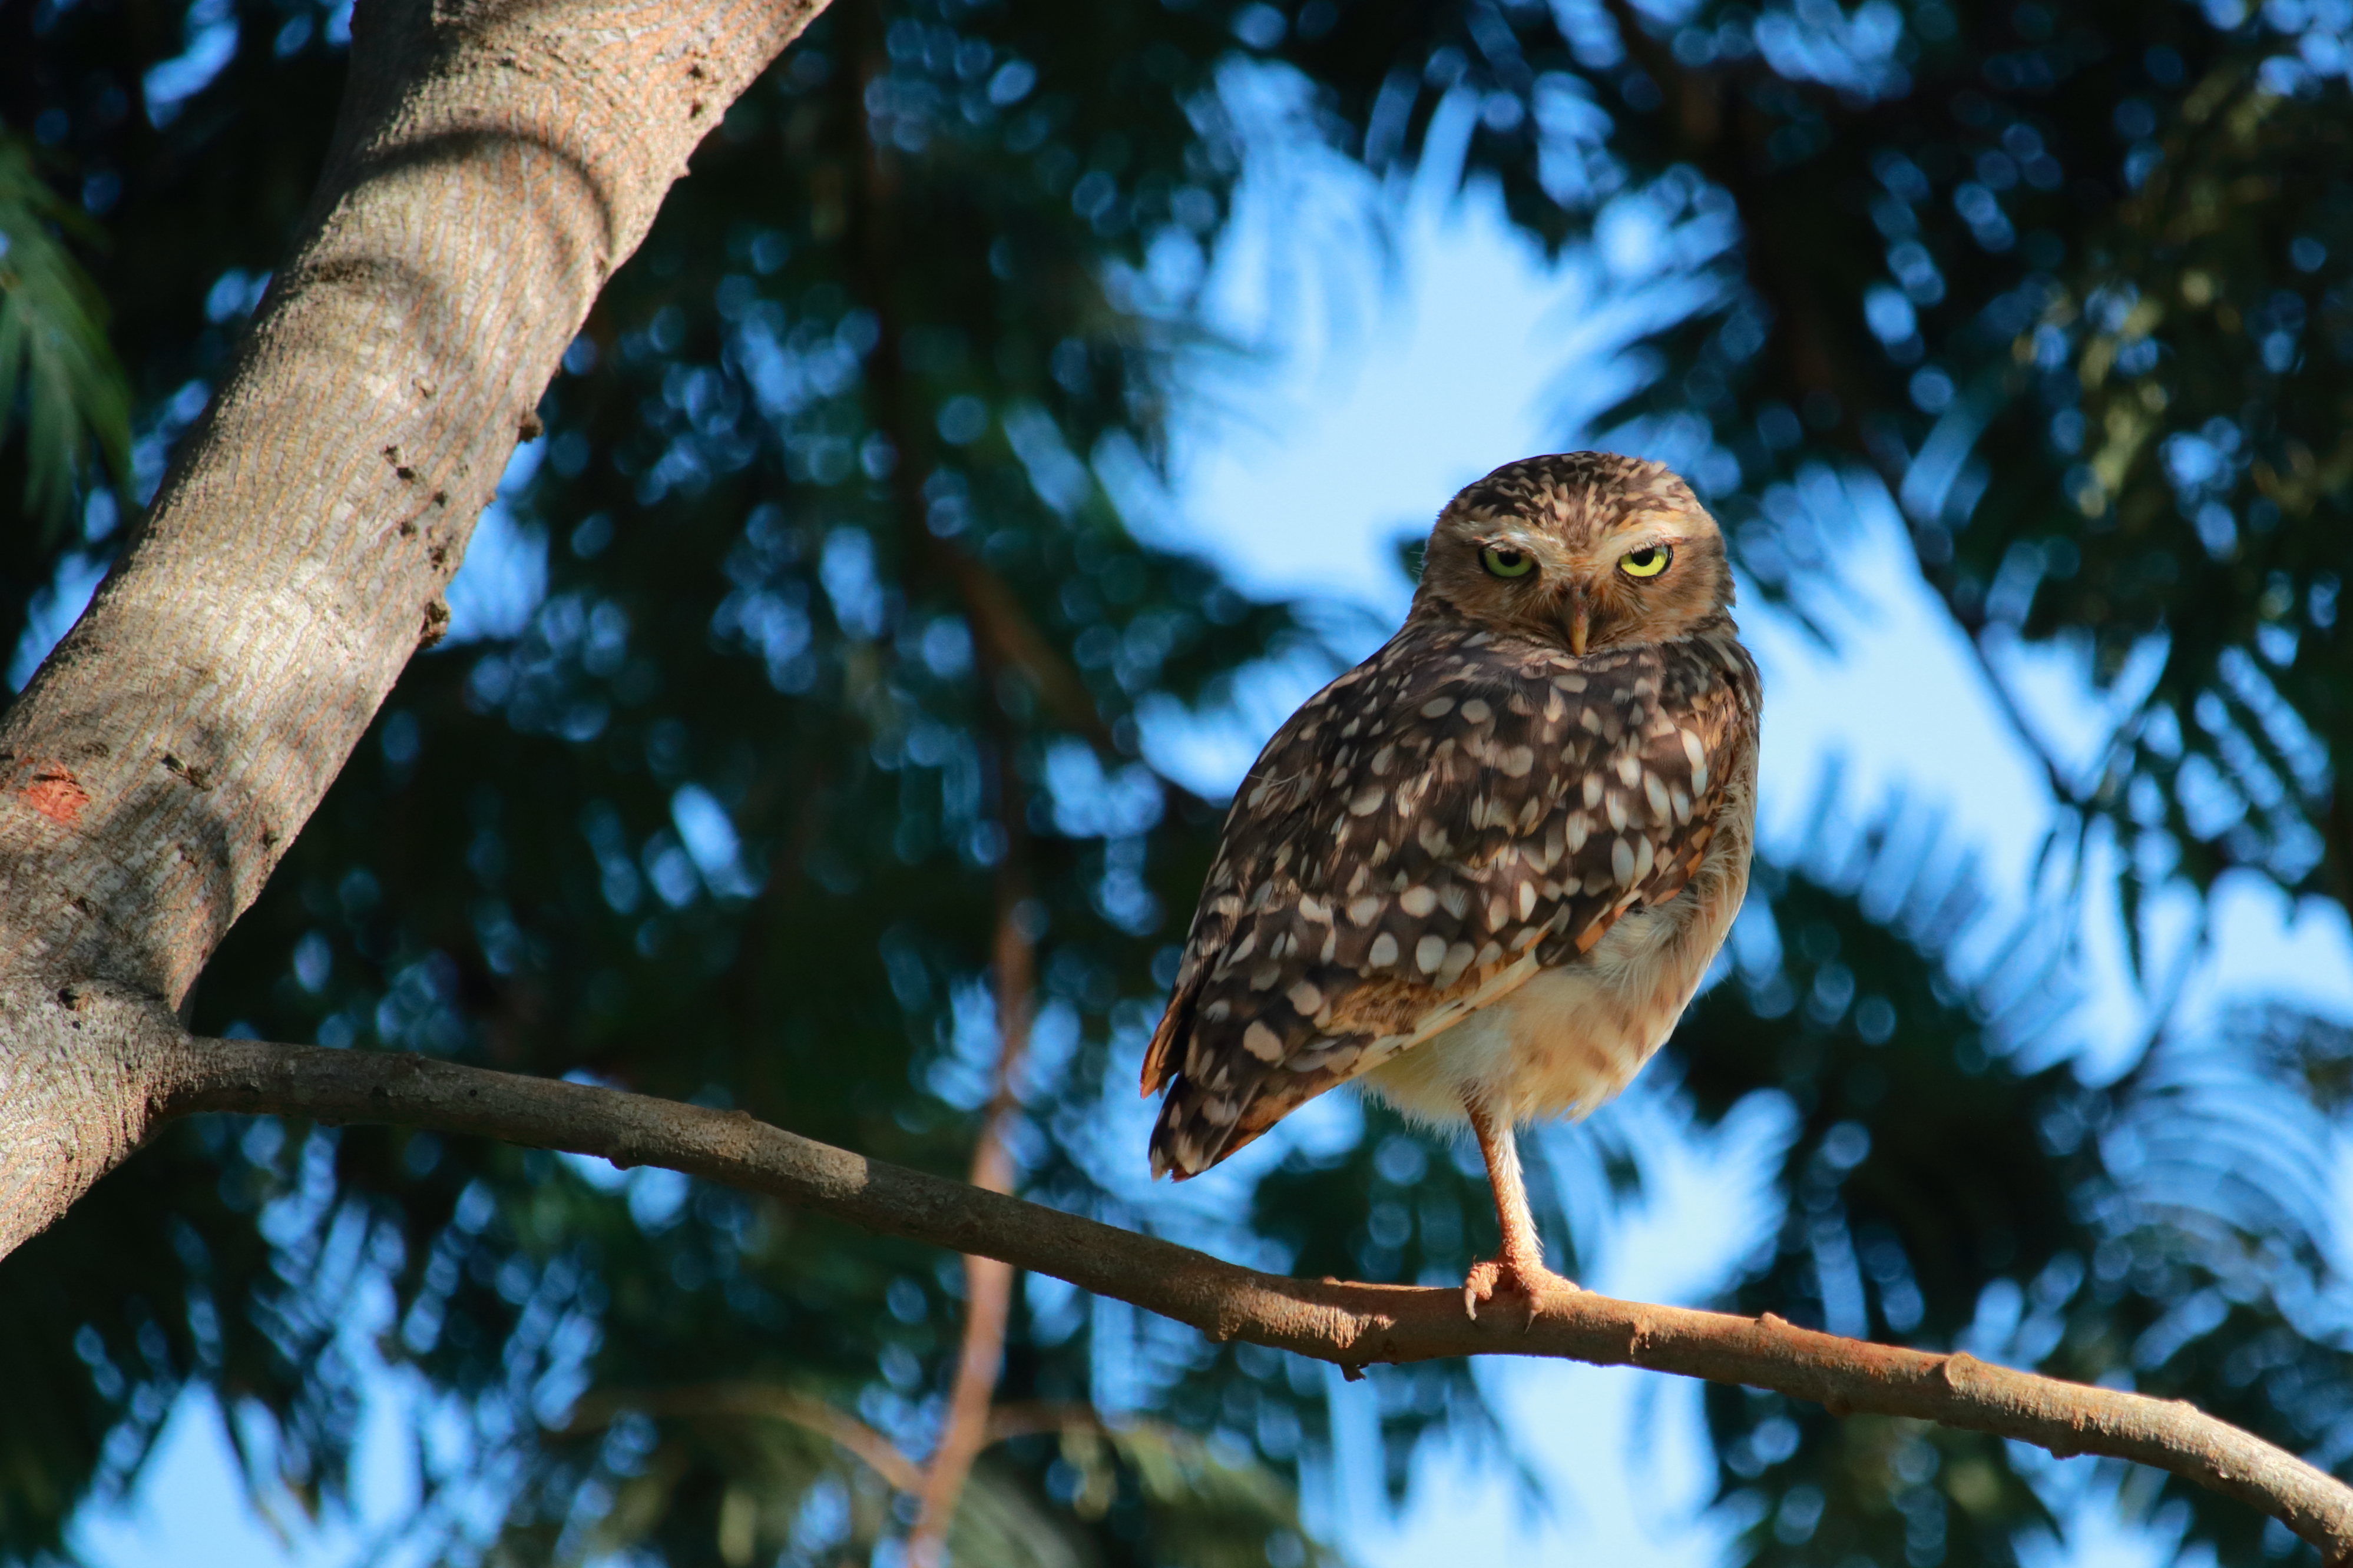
(59, 380)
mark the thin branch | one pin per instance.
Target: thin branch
(1351, 1325)
(598, 1410)
(1003, 641)
(1031, 1417)
(988, 1281)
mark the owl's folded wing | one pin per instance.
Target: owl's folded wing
(1423, 836)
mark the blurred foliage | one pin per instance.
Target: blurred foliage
(817, 643)
(58, 375)
(1953, 1184)
(2068, 278)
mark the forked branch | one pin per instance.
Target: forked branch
(1349, 1325)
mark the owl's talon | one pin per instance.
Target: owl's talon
(1528, 1280)
(1477, 1285)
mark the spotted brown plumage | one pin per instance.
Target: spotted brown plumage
(1486, 867)
(1398, 852)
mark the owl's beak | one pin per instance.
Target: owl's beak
(1581, 620)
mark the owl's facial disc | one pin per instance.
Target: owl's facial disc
(1588, 551)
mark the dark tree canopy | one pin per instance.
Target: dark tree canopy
(838, 678)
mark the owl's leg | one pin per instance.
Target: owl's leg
(1518, 1265)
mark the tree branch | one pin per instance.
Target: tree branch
(988, 603)
(1349, 1325)
(1030, 1417)
(988, 1281)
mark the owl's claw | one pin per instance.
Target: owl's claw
(1527, 1278)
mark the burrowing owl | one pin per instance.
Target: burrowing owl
(1485, 869)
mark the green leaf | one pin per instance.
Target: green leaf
(62, 392)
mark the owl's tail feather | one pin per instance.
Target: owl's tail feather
(1161, 1056)
(1198, 1128)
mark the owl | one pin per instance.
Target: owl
(1483, 871)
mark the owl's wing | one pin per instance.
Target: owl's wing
(1432, 829)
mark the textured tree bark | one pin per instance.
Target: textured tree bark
(1350, 1325)
(492, 165)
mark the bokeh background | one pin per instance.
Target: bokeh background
(1021, 407)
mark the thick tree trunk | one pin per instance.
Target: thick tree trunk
(493, 164)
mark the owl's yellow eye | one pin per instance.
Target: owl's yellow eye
(1647, 562)
(1503, 560)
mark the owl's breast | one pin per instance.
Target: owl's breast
(1571, 1037)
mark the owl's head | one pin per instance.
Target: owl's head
(1587, 550)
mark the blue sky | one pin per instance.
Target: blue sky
(1393, 343)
